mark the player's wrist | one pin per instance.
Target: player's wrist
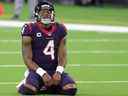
(60, 69)
(40, 71)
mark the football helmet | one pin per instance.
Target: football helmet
(44, 12)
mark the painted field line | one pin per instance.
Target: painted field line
(99, 52)
(79, 27)
(69, 65)
(76, 52)
(97, 65)
(9, 41)
(97, 40)
(78, 82)
(72, 40)
(101, 82)
(9, 83)
(11, 66)
(10, 52)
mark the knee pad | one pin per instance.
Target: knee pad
(25, 91)
(70, 92)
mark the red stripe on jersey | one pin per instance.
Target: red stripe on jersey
(30, 27)
(45, 30)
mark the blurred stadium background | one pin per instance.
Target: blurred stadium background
(97, 46)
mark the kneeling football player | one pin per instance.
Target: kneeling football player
(44, 53)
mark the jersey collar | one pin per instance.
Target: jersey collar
(47, 32)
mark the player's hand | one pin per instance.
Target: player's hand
(56, 78)
(47, 79)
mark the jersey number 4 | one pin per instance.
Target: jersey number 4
(49, 49)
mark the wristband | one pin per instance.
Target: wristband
(40, 71)
(60, 69)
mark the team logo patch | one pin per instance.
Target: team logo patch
(38, 34)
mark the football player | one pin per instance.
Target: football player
(44, 53)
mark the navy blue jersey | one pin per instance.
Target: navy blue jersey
(45, 43)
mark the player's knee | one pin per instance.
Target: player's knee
(69, 86)
(69, 89)
(27, 89)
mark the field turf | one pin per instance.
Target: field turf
(97, 61)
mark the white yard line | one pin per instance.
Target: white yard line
(101, 82)
(11, 66)
(97, 65)
(69, 65)
(97, 28)
(71, 40)
(9, 41)
(76, 52)
(98, 52)
(9, 52)
(78, 82)
(79, 27)
(97, 40)
(8, 83)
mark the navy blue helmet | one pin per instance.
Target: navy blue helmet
(44, 12)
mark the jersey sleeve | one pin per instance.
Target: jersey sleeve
(64, 31)
(26, 30)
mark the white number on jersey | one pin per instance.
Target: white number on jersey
(49, 49)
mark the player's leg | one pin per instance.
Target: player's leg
(32, 4)
(18, 8)
(30, 85)
(50, 90)
(68, 85)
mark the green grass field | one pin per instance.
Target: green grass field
(97, 61)
(77, 41)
